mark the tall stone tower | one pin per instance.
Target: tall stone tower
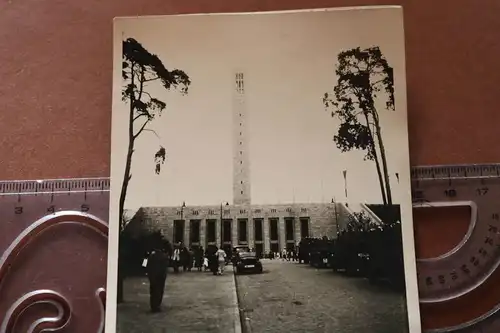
(241, 167)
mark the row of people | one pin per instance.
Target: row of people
(161, 257)
(196, 257)
(288, 255)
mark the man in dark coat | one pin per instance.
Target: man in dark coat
(157, 275)
(212, 259)
(198, 258)
(184, 258)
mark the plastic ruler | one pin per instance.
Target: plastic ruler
(461, 280)
(461, 283)
(53, 236)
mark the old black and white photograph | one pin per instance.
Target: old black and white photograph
(260, 176)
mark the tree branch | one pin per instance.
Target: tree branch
(139, 116)
(141, 85)
(377, 82)
(153, 79)
(141, 129)
(152, 131)
(358, 113)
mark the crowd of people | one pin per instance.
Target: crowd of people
(180, 258)
(285, 255)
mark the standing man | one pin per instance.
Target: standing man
(157, 274)
(221, 259)
(212, 260)
(176, 258)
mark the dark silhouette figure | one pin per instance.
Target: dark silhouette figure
(198, 258)
(190, 259)
(184, 258)
(157, 275)
(271, 255)
(212, 259)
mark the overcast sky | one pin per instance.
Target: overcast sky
(289, 62)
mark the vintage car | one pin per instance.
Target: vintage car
(248, 262)
(236, 252)
(320, 253)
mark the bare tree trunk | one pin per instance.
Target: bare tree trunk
(126, 179)
(123, 194)
(377, 163)
(380, 179)
(383, 157)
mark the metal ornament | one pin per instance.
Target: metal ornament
(32, 211)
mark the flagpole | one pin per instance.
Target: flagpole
(345, 183)
(336, 216)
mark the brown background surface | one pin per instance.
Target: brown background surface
(56, 60)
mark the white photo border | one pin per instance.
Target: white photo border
(409, 254)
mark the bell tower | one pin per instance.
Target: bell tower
(241, 167)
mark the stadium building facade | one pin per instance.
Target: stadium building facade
(263, 227)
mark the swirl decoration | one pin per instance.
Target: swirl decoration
(101, 297)
(58, 301)
(37, 297)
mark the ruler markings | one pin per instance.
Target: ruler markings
(430, 183)
(22, 203)
(54, 186)
(459, 274)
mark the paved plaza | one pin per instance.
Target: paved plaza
(289, 297)
(194, 302)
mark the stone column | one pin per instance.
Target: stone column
(251, 233)
(234, 232)
(169, 228)
(218, 228)
(203, 233)
(296, 227)
(266, 240)
(187, 228)
(281, 233)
